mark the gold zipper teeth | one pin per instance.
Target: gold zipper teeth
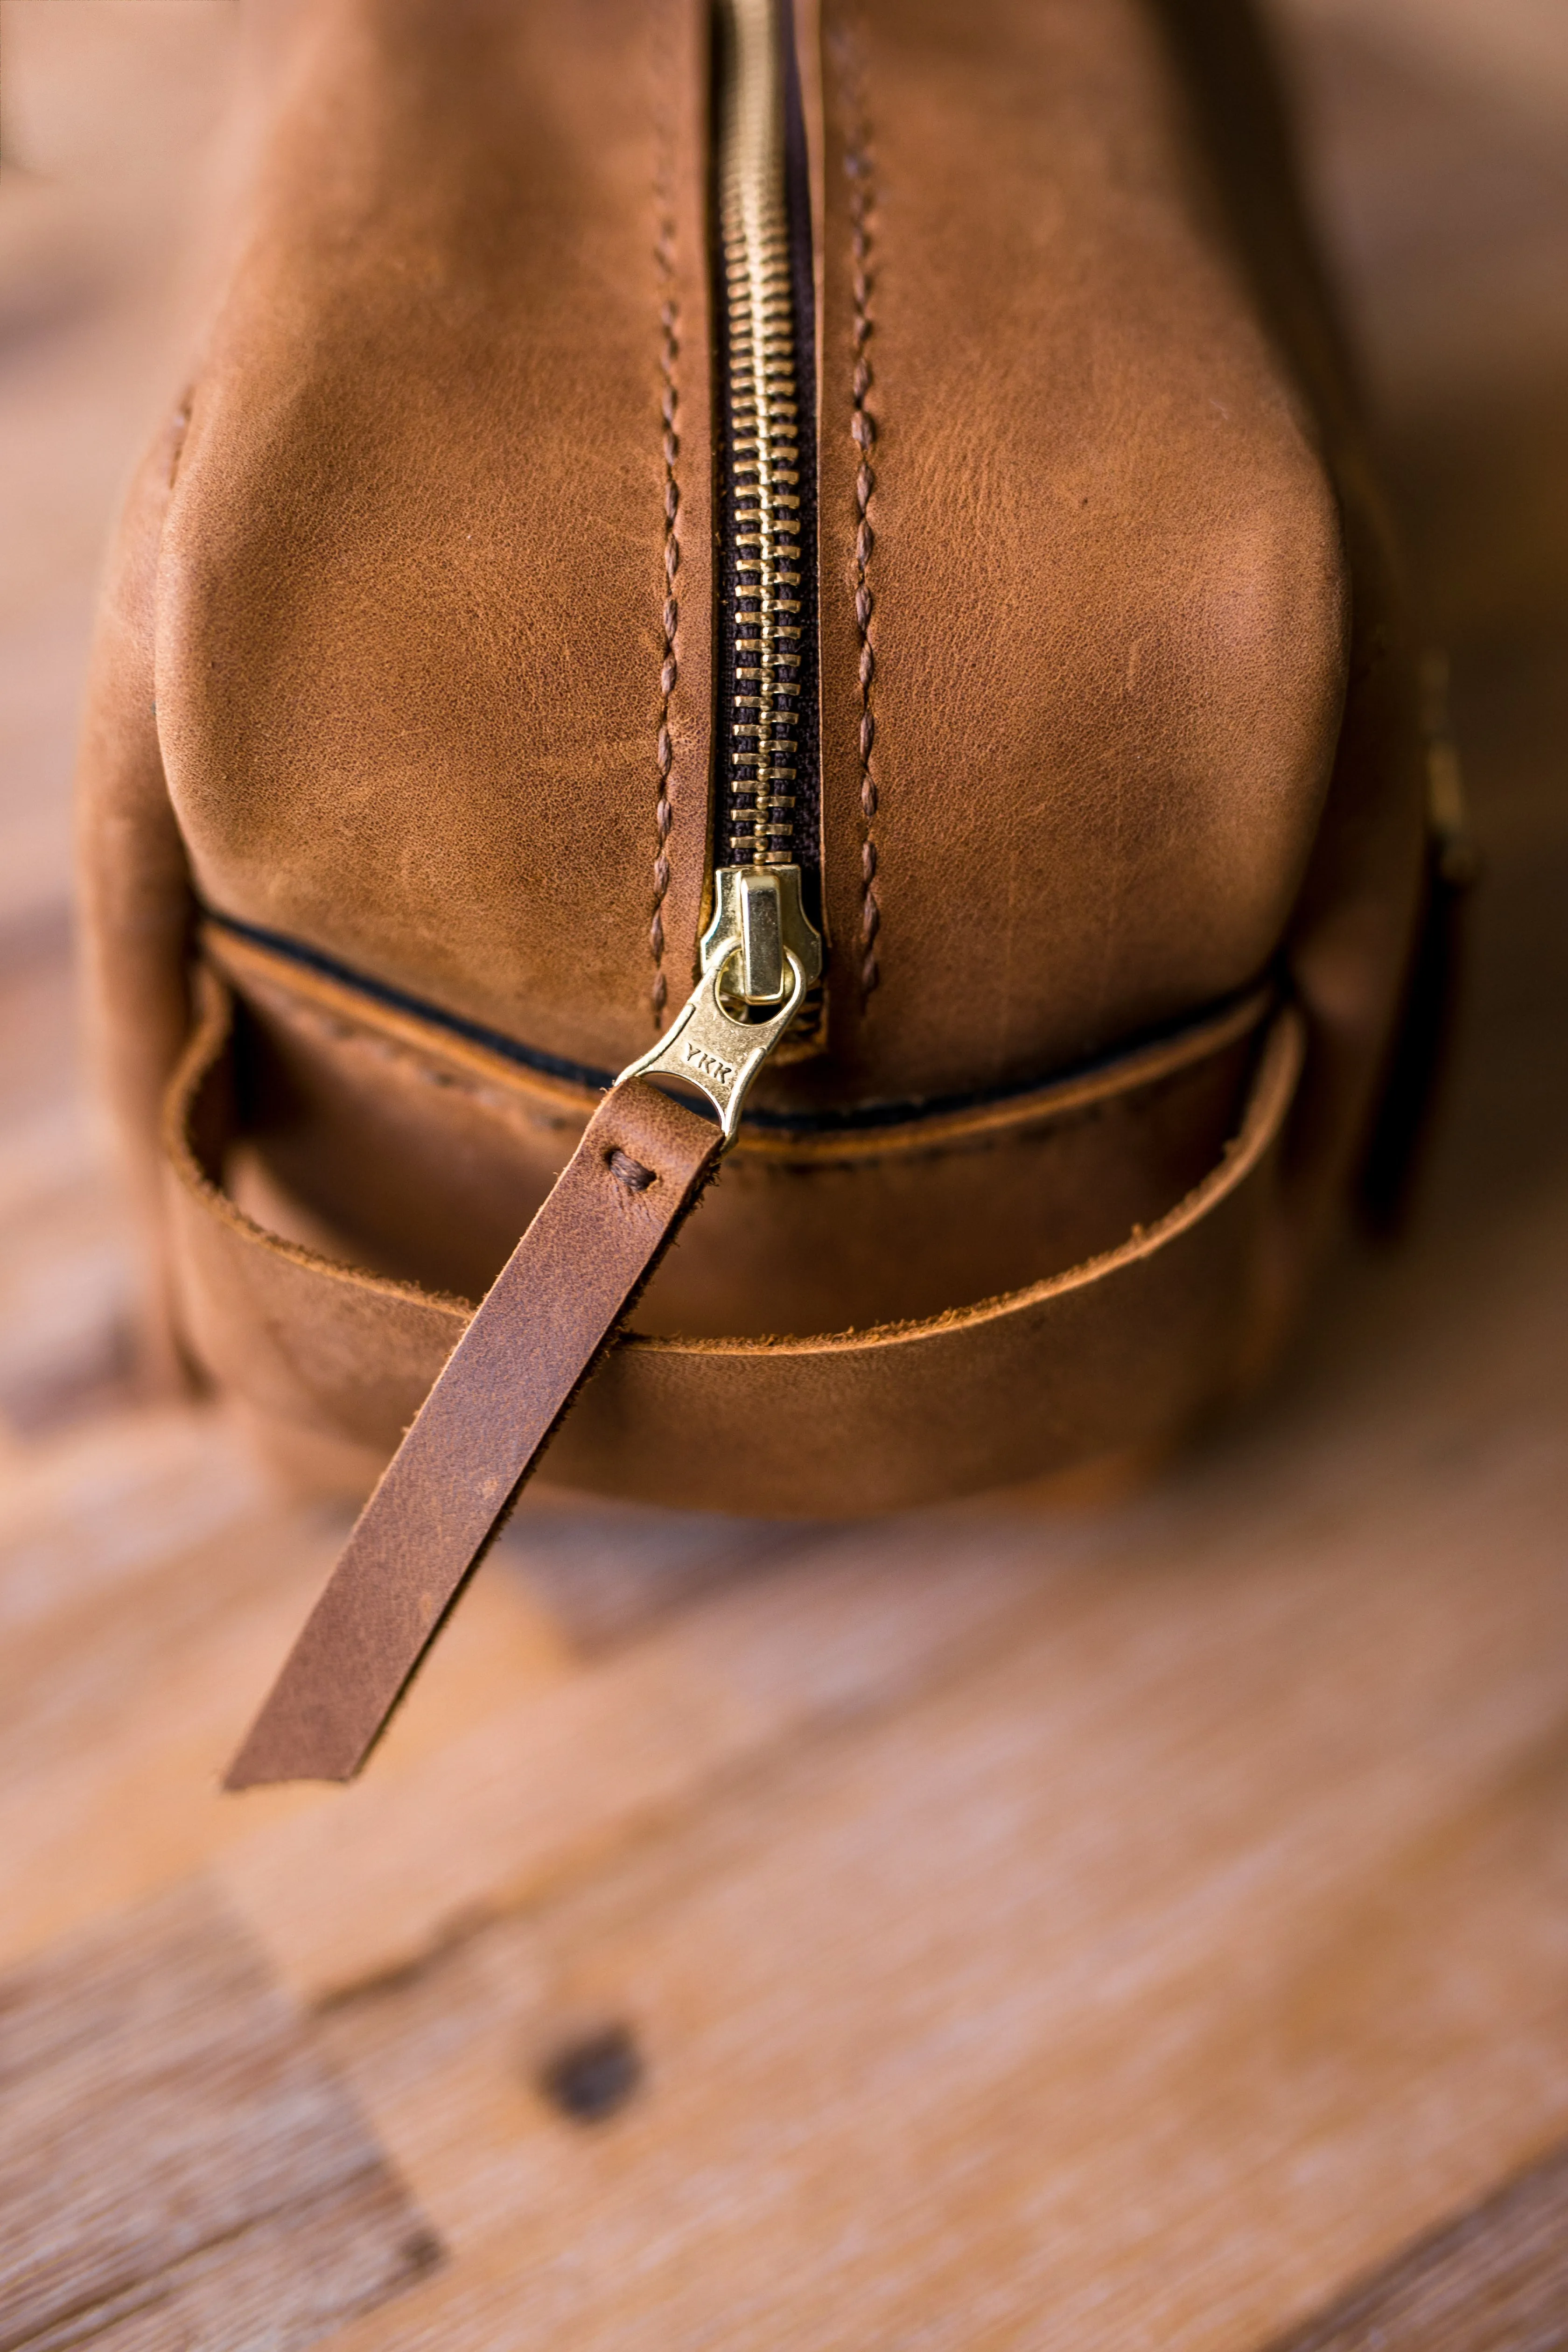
(765, 449)
(761, 954)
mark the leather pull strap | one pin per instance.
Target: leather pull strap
(552, 1310)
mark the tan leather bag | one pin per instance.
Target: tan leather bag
(855, 528)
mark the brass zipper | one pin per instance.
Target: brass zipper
(478, 1435)
(761, 428)
(761, 953)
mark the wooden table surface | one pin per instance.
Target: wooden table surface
(1142, 1924)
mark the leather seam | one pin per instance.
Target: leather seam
(858, 169)
(1039, 1134)
(1040, 1131)
(1263, 1119)
(1273, 1084)
(669, 410)
(423, 1072)
(210, 1038)
(1196, 1039)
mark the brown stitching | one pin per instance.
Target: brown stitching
(669, 408)
(863, 431)
(407, 1063)
(629, 1171)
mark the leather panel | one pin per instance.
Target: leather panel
(1121, 1351)
(413, 579)
(1108, 591)
(353, 1120)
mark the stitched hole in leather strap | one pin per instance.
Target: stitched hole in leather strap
(629, 1171)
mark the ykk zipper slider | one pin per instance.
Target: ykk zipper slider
(760, 950)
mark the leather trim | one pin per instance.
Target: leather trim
(241, 951)
(1124, 1350)
(638, 1170)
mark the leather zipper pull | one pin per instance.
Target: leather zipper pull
(546, 1320)
(644, 1158)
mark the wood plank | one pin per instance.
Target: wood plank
(1159, 1974)
(1494, 2280)
(375, 1880)
(176, 2166)
(866, 1618)
(113, 204)
(150, 1581)
(66, 1258)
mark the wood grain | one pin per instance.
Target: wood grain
(177, 2167)
(565, 1779)
(1497, 2278)
(1185, 1957)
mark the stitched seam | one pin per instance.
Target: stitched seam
(669, 409)
(858, 169)
(407, 1063)
(1251, 1008)
(1042, 1136)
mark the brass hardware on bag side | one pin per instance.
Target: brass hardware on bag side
(753, 228)
(1449, 826)
(760, 953)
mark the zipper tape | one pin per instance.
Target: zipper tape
(644, 1158)
(545, 1321)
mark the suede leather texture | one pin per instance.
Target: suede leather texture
(1117, 707)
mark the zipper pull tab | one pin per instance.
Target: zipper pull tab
(759, 951)
(554, 1305)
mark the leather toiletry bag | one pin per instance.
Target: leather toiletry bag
(816, 572)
